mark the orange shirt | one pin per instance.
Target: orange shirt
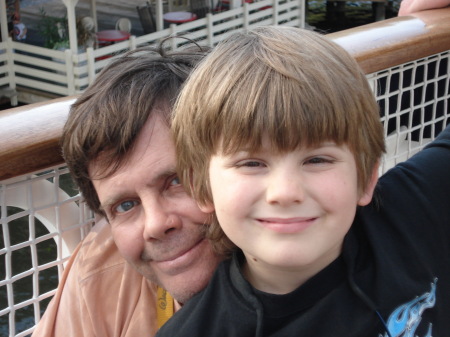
(100, 294)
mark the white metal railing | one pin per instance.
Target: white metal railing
(42, 220)
(414, 101)
(408, 129)
(64, 73)
(414, 98)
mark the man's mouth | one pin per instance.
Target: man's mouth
(183, 259)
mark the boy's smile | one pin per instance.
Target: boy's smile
(286, 225)
(288, 212)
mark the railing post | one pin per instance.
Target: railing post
(69, 62)
(209, 29)
(90, 58)
(275, 11)
(246, 15)
(10, 72)
(159, 16)
(234, 4)
(302, 12)
(173, 32)
(132, 41)
(3, 23)
(10, 63)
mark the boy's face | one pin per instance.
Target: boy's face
(288, 212)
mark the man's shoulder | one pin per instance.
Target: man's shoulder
(98, 253)
(98, 265)
(100, 294)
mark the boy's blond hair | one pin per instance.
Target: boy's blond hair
(295, 86)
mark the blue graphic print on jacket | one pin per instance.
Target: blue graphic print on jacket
(404, 320)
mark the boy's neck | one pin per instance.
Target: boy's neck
(278, 280)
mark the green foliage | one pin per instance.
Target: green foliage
(54, 30)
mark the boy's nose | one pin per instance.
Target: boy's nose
(159, 222)
(284, 189)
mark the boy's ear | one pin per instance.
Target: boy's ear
(207, 207)
(367, 195)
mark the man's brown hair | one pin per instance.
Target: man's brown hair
(107, 118)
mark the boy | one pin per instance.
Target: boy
(279, 139)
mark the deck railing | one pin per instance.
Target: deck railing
(63, 73)
(407, 61)
(42, 216)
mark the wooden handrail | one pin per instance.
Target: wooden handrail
(29, 135)
(399, 40)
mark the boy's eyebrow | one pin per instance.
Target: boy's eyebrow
(237, 152)
(328, 143)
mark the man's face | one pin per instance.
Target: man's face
(157, 227)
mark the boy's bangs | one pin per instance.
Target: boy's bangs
(287, 111)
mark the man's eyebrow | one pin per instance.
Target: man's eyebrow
(105, 206)
(163, 176)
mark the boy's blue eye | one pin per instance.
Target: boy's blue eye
(125, 206)
(318, 160)
(252, 164)
(249, 163)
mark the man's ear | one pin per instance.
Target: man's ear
(367, 195)
(207, 207)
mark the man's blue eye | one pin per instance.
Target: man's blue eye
(125, 206)
(175, 181)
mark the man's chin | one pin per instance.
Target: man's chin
(184, 282)
(185, 287)
(182, 286)
(183, 297)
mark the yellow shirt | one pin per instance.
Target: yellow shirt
(100, 294)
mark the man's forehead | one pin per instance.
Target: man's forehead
(152, 146)
(149, 165)
(103, 165)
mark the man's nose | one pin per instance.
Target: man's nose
(159, 220)
(284, 187)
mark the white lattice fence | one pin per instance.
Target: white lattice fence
(42, 220)
(414, 101)
(65, 73)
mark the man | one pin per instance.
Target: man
(118, 147)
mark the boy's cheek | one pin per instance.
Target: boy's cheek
(367, 195)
